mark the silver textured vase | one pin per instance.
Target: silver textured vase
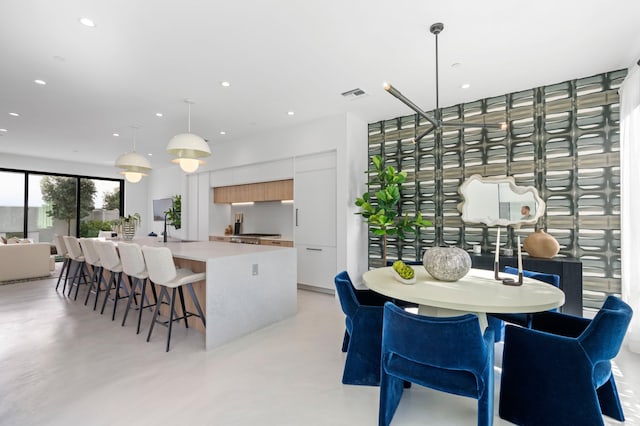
(447, 263)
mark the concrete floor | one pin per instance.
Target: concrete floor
(61, 363)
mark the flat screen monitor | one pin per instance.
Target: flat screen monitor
(160, 207)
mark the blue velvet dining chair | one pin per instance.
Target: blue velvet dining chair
(496, 321)
(363, 335)
(558, 372)
(448, 354)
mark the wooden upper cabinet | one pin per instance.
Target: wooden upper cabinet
(263, 191)
(278, 190)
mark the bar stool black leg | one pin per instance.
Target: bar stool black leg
(117, 296)
(112, 279)
(134, 284)
(197, 304)
(171, 314)
(163, 293)
(184, 309)
(143, 291)
(65, 265)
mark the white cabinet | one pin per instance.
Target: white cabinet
(315, 207)
(315, 219)
(316, 266)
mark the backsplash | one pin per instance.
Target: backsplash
(266, 217)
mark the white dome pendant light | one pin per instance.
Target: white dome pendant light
(188, 148)
(133, 165)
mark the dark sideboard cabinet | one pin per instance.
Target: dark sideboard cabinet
(569, 270)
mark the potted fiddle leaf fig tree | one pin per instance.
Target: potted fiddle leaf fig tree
(384, 216)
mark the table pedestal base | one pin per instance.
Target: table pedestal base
(433, 311)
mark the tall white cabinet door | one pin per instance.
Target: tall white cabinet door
(315, 219)
(315, 207)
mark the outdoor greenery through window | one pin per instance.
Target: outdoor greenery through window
(53, 204)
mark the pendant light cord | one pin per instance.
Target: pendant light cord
(189, 119)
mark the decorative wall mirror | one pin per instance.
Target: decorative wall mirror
(498, 201)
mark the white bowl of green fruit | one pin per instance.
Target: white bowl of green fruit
(403, 272)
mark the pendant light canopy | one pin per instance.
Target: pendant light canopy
(188, 148)
(133, 165)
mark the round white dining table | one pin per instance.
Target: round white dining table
(477, 292)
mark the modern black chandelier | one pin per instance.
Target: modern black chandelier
(436, 120)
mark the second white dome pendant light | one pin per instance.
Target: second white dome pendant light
(188, 148)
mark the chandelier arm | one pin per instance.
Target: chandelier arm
(396, 93)
(423, 134)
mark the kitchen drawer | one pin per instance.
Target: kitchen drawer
(280, 243)
(317, 266)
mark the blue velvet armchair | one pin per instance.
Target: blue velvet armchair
(559, 371)
(449, 354)
(363, 336)
(496, 321)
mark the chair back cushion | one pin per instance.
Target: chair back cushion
(89, 251)
(73, 247)
(552, 279)
(454, 343)
(132, 259)
(61, 247)
(347, 297)
(159, 263)
(108, 254)
(603, 337)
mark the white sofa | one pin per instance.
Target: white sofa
(20, 261)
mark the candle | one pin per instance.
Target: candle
(497, 246)
(519, 257)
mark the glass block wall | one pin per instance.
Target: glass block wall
(563, 139)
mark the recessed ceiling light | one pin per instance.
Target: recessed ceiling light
(3, 130)
(222, 132)
(87, 22)
(150, 154)
(225, 84)
(159, 114)
(14, 114)
(465, 86)
(290, 113)
(116, 134)
(40, 82)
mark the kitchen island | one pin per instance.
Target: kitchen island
(247, 288)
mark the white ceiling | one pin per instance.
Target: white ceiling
(147, 56)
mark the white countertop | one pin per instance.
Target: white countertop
(203, 250)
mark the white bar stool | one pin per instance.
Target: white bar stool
(92, 258)
(163, 273)
(76, 256)
(134, 267)
(111, 262)
(61, 250)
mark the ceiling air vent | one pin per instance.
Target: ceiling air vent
(354, 94)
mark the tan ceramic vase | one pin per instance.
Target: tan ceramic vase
(541, 244)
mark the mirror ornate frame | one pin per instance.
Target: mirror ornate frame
(498, 201)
